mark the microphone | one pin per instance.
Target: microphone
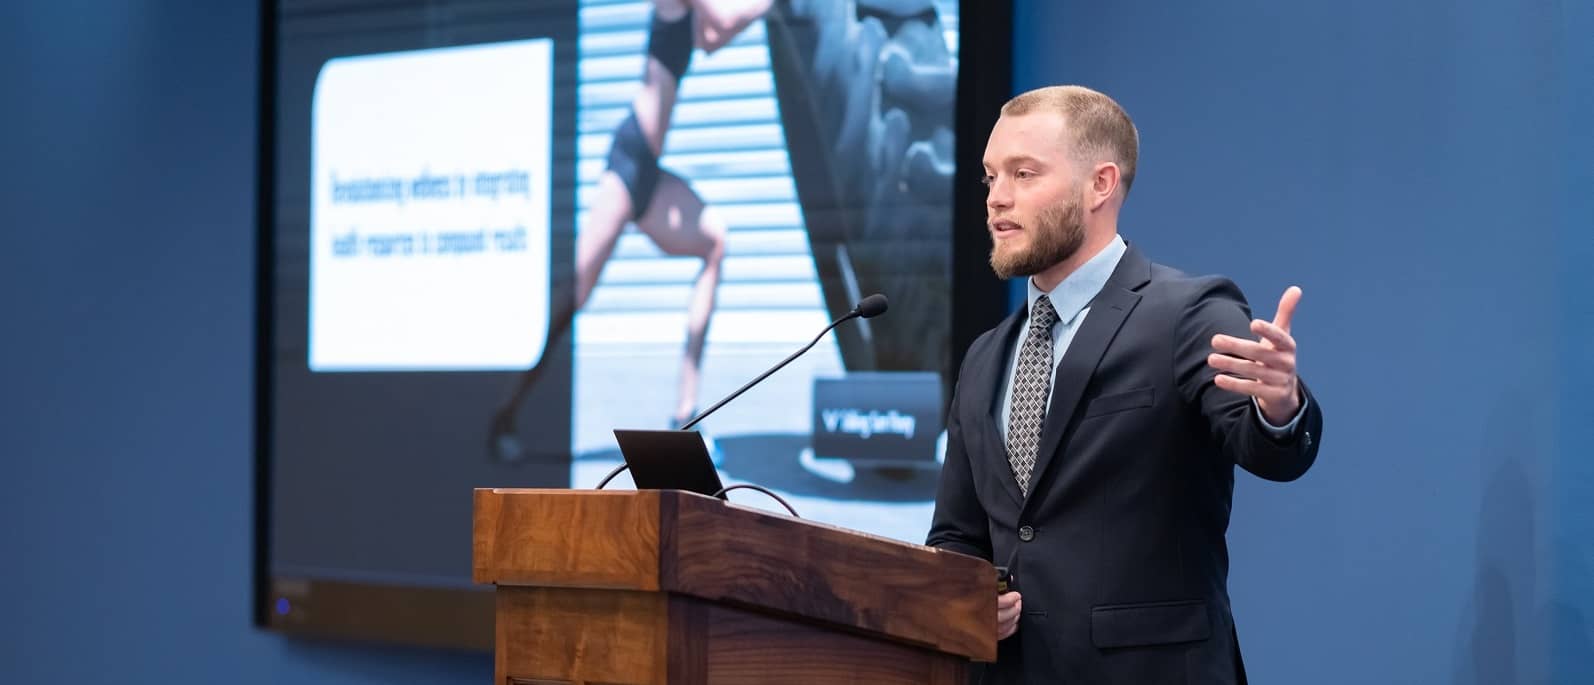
(868, 308)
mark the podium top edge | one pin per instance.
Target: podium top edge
(575, 492)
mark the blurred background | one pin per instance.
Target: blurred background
(1421, 169)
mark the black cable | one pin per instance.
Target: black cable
(611, 476)
(750, 486)
(721, 492)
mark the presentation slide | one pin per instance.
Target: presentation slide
(429, 213)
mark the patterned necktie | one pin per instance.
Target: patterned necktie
(1032, 384)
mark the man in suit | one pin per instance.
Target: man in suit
(1093, 434)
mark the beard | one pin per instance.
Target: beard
(1056, 235)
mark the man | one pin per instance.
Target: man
(1093, 434)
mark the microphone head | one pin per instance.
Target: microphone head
(872, 306)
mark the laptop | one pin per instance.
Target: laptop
(669, 460)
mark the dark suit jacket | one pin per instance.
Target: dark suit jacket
(1119, 549)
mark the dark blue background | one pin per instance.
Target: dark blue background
(1421, 168)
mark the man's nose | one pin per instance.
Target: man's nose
(998, 196)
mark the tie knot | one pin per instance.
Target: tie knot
(1042, 315)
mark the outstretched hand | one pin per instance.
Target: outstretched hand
(1263, 368)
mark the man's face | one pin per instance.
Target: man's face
(1033, 207)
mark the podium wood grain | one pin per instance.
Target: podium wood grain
(672, 587)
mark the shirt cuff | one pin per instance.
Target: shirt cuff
(1288, 428)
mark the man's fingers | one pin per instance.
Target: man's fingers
(1257, 389)
(1009, 615)
(1250, 349)
(1271, 332)
(1008, 607)
(1292, 297)
(1245, 368)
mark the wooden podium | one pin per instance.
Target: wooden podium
(673, 587)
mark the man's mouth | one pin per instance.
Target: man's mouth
(1002, 228)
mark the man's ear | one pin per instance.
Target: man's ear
(1104, 180)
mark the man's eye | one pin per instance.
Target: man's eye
(987, 180)
(1025, 173)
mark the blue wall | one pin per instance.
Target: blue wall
(1570, 612)
(1417, 168)
(1403, 162)
(125, 419)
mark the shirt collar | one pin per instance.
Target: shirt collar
(1076, 291)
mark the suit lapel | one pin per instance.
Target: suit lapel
(1108, 310)
(997, 360)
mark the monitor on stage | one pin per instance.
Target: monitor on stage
(494, 232)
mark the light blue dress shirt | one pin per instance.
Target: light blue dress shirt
(1071, 299)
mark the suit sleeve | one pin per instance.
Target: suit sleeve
(1217, 306)
(959, 523)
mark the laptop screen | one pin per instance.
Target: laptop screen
(669, 460)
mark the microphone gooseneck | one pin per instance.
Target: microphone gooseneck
(869, 307)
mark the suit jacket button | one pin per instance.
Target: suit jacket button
(1026, 533)
(1308, 440)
